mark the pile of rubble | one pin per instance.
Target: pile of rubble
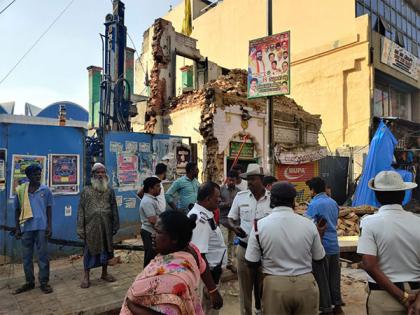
(348, 218)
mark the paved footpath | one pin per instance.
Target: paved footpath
(68, 297)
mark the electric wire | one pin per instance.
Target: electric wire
(37, 41)
(7, 6)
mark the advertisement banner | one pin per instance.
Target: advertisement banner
(64, 173)
(298, 157)
(298, 175)
(19, 164)
(269, 66)
(398, 58)
(127, 166)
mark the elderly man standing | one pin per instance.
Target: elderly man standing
(33, 202)
(286, 243)
(248, 206)
(185, 188)
(97, 222)
(389, 245)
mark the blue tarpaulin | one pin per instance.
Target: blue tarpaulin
(379, 159)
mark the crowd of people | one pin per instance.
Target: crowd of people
(286, 263)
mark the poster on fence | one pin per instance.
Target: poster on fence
(3, 154)
(64, 173)
(269, 66)
(127, 166)
(19, 164)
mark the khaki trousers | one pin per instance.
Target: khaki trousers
(247, 278)
(380, 302)
(290, 295)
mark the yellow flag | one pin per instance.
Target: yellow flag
(187, 22)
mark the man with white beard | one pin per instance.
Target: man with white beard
(97, 222)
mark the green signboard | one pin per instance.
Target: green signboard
(246, 153)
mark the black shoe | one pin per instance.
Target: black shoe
(24, 288)
(46, 288)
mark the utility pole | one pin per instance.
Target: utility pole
(269, 116)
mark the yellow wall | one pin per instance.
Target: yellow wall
(232, 23)
(186, 123)
(330, 73)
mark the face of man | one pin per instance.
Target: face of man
(253, 84)
(255, 183)
(271, 57)
(231, 182)
(285, 66)
(284, 45)
(100, 173)
(285, 55)
(214, 200)
(35, 177)
(155, 191)
(274, 65)
(259, 55)
(99, 180)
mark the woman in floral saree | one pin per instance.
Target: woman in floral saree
(169, 284)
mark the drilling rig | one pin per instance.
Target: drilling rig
(116, 107)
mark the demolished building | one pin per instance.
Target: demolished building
(213, 110)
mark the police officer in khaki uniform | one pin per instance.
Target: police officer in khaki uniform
(390, 245)
(248, 206)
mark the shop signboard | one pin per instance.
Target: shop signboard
(398, 58)
(246, 153)
(269, 66)
(298, 174)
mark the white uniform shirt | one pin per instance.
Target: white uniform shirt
(246, 208)
(161, 198)
(289, 243)
(208, 241)
(393, 235)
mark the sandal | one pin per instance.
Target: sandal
(108, 278)
(26, 287)
(46, 288)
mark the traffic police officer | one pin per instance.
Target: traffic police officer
(248, 206)
(389, 243)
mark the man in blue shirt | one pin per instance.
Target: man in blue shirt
(34, 227)
(186, 188)
(324, 211)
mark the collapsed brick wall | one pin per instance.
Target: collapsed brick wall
(229, 90)
(156, 103)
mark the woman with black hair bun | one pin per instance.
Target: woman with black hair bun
(169, 284)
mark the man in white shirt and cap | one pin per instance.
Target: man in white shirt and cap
(248, 206)
(390, 248)
(286, 243)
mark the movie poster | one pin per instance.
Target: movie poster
(64, 173)
(269, 66)
(183, 156)
(127, 166)
(19, 164)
